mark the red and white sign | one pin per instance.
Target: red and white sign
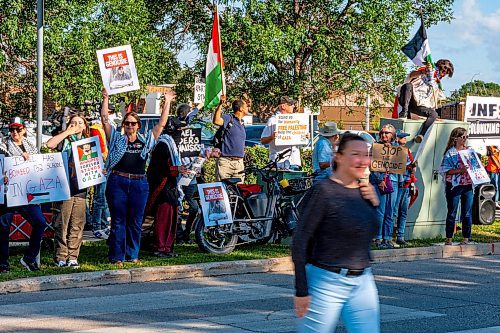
(118, 70)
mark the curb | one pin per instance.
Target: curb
(147, 274)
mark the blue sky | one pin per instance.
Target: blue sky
(471, 41)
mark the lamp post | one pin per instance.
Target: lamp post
(39, 64)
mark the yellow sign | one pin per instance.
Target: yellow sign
(160, 89)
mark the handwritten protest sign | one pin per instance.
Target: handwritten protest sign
(40, 179)
(2, 190)
(475, 168)
(163, 89)
(199, 90)
(215, 204)
(118, 70)
(389, 158)
(193, 170)
(292, 129)
(89, 165)
(188, 142)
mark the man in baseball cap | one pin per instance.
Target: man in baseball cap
(324, 149)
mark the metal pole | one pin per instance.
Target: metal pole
(367, 112)
(39, 63)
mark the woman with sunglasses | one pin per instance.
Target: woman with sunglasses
(458, 188)
(331, 247)
(71, 217)
(17, 145)
(127, 188)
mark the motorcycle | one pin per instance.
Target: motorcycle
(257, 217)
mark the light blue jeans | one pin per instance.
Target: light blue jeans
(333, 295)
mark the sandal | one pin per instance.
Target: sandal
(136, 262)
(464, 243)
(118, 264)
(448, 243)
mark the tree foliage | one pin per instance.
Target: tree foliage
(74, 30)
(476, 88)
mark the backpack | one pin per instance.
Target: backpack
(221, 134)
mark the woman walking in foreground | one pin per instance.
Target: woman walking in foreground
(331, 248)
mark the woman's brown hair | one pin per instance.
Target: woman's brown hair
(133, 115)
(456, 133)
(86, 131)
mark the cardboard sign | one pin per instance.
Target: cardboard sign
(160, 89)
(199, 90)
(188, 142)
(292, 129)
(193, 170)
(215, 204)
(89, 164)
(389, 158)
(118, 70)
(475, 168)
(40, 179)
(2, 189)
(483, 116)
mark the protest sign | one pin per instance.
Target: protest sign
(292, 129)
(193, 170)
(214, 204)
(118, 70)
(475, 168)
(163, 89)
(389, 158)
(88, 160)
(188, 142)
(2, 190)
(42, 178)
(483, 116)
(199, 90)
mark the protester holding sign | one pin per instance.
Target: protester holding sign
(458, 188)
(127, 189)
(291, 160)
(71, 218)
(386, 185)
(17, 145)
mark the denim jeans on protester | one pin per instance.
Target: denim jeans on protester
(385, 213)
(463, 195)
(401, 210)
(100, 211)
(495, 180)
(127, 200)
(333, 295)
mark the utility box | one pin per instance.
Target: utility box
(427, 216)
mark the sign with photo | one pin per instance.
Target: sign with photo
(475, 168)
(292, 129)
(2, 188)
(483, 116)
(215, 204)
(40, 179)
(118, 70)
(389, 158)
(188, 142)
(193, 170)
(89, 164)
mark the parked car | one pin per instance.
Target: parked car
(254, 133)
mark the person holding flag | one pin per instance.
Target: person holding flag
(422, 88)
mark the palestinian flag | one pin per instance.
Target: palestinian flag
(418, 49)
(214, 81)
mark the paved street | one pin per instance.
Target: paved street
(447, 295)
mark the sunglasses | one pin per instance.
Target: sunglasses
(17, 129)
(385, 132)
(464, 137)
(130, 123)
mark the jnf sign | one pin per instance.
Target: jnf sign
(483, 116)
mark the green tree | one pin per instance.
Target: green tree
(74, 30)
(476, 88)
(305, 48)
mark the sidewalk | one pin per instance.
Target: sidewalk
(148, 274)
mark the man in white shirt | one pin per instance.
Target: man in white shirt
(292, 159)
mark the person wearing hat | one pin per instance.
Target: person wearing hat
(17, 145)
(324, 149)
(403, 196)
(286, 106)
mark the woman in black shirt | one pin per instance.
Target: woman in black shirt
(331, 247)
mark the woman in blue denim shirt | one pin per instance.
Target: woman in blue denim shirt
(458, 188)
(127, 187)
(385, 211)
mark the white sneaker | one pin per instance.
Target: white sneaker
(60, 263)
(73, 264)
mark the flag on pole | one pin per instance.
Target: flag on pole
(418, 49)
(215, 85)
